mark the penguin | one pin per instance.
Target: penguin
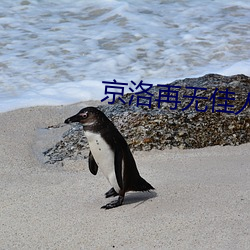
(110, 152)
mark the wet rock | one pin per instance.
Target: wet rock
(146, 128)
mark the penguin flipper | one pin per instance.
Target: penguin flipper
(93, 167)
(118, 166)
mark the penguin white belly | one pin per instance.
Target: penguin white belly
(104, 157)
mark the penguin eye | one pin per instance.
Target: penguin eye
(84, 115)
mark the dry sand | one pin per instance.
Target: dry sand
(201, 201)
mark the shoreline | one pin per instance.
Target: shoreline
(201, 198)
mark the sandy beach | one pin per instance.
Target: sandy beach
(201, 198)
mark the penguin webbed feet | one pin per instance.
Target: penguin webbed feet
(111, 193)
(115, 203)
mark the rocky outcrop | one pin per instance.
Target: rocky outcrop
(174, 124)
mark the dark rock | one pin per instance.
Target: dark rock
(146, 128)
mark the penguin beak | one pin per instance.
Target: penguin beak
(74, 118)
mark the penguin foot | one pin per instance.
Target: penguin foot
(113, 204)
(111, 193)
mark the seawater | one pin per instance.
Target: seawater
(59, 52)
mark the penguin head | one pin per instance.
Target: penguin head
(88, 117)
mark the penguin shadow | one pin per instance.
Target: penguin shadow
(138, 198)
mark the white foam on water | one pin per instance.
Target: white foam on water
(59, 52)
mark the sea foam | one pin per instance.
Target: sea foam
(56, 53)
